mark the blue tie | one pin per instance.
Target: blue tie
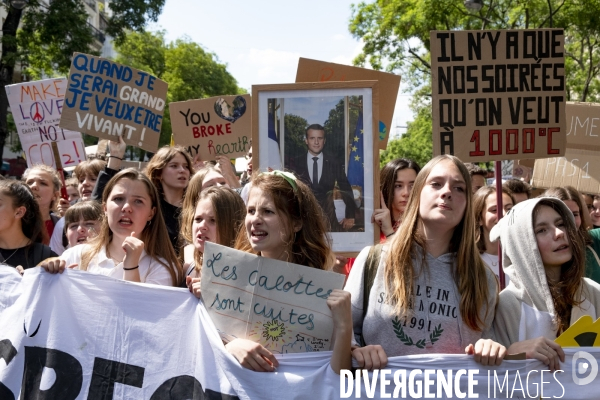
(315, 175)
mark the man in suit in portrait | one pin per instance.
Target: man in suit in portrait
(322, 172)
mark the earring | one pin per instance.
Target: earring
(149, 222)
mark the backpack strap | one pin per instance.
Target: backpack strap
(369, 272)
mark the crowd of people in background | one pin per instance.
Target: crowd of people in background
(430, 286)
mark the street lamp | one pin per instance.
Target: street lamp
(474, 5)
(21, 4)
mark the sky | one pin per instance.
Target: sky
(261, 41)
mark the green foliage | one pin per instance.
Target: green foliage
(51, 34)
(191, 71)
(294, 131)
(131, 14)
(396, 38)
(415, 144)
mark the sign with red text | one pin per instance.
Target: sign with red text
(214, 126)
(389, 84)
(36, 108)
(498, 95)
(106, 99)
(280, 305)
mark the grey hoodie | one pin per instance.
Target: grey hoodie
(435, 324)
(525, 309)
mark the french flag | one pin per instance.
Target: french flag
(274, 157)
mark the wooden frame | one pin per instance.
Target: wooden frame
(337, 106)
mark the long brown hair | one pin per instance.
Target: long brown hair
(387, 179)
(479, 200)
(565, 291)
(154, 235)
(32, 223)
(296, 204)
(160, 160)
(570, 193)
(469, 271)
(229, 211)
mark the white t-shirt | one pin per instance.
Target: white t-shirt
(492, 262)
(151, 270)
(56, 241)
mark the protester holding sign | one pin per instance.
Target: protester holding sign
(285, 222)
(170, 170)
(542, 253)
(573, 200)
(21, 227)
(45, 184)
(428, 291)
(486, 217)
(132, 242)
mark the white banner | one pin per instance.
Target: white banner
(84, 336)
(36, 108)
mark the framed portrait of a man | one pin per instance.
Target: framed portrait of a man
(324, 134)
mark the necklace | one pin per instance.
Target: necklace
(13, 253)
(117, 262)
(490, 259)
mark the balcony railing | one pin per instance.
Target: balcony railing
(98, 34)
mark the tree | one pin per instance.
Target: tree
(415, 144)
(191, 71)
(396, 36)
(52, 31)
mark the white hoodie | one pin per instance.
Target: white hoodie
(525, 308)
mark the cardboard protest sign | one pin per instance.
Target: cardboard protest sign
(578, 168)
(583, 125)
(389, 84)
(215, 126)
(107, 100)
(280, 305)
(36, 107)
(498, 95)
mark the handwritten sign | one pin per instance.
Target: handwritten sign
(214, 126)
(583, 125)
(36, 107)
(498, 95)
(280, 305)
(107, 100)
(578, 168)
(389, 84)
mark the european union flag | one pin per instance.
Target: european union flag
(356, 168)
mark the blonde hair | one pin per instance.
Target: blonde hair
(229, 211)
(154, 235)
(55, 178)
(469, 272)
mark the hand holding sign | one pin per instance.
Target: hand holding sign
(252, 355)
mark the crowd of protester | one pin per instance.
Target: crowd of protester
(430, 286)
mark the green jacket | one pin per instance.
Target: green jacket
(592, 268)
